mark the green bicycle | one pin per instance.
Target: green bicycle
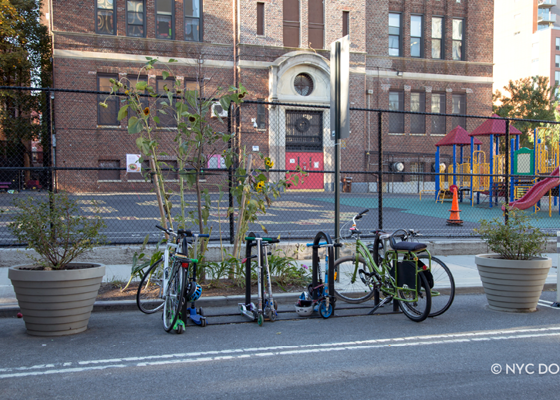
(397, 268)
(397, 275)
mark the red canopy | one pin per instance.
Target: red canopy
(494, 126)
(458, 136)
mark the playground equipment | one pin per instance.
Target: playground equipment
(493, 127)
(543, 159)
(460, 169)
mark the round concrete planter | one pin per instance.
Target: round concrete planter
(512, 285)
(56, 303)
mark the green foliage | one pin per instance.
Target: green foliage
(56, 229)
(527, 98)
(517, 239)
(25, 53)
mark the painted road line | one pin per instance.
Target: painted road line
(232, 354)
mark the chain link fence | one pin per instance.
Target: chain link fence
(402, 166)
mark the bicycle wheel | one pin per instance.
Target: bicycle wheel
(350, 289)
(149, 297)
(173, 298)
(443, 291)
(419, 309)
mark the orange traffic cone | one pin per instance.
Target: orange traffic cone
(454, 215)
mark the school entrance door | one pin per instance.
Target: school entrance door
(304, 146)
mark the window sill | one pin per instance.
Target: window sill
(163, 128)
(396, 134)
(261, 130)
(417, 134)
(437, 134)
(137, 180)
(108, 127)
(108, 180)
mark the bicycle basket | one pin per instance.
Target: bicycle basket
(406, 274)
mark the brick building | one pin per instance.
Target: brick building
(411, 55)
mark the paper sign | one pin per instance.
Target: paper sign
(316, 164)
(133, 163)
(292, 160)
(255, 148)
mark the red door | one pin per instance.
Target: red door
(307, 162)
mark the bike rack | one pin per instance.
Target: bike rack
(315, 263)
(248, 307)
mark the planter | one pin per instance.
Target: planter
(56, 303)
(512, 285)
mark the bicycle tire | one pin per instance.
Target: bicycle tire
(417, 310)
(357, 291)
(173, 299)
(444, 285)
(149, 296)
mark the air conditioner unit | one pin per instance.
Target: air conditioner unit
(217, 110)
(397, 166)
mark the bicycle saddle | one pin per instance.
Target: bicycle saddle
(408, 246)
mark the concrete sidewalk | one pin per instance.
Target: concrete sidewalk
(462, 267)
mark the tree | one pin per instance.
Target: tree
(527, 98)
(25, 60)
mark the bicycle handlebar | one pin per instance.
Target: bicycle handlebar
(185, 232)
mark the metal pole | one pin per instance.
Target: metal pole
(380, 170)
(50, 159)
(506, 156)
(337, 150)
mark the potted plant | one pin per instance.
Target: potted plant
(513, 276)
(55, 295)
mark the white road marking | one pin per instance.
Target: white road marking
(230, 354)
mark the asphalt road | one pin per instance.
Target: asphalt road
(128, 355)
(130, 217)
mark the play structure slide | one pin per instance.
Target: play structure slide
(536, 192)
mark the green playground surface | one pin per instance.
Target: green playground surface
(427, 207)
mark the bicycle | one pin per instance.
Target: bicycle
(149, 297)
(397, 276)
(385, 273)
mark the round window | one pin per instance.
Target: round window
(303, 84)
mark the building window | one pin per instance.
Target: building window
(291, 23)
(557, 61)
(416, 36)
(303, 84)
(105, 10)
(107, 116)
(260, 18)
(165, 110)
(345, 23)
(316, 24)
(418, 104)
(438, 107)
(394, 35)
(144, 102)
(458, 39)
(261, 115)
(416, 169)
(459, 107)
(135, 23)
(192, 20)
(558, 43)
(437, 37)
(396, 120)
(165, 16)
(557, 77)
(109, 174)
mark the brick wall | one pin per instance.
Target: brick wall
(81, 54)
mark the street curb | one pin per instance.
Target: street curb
(10, 310)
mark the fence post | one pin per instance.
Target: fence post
(380, 170)
(230, 180)
(50, 161)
